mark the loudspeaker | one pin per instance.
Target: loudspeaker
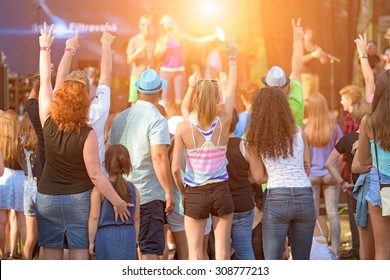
(4, 96)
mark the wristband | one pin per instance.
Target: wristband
(191, 86)
(47, 49)
(313, 54)
(363, 55)
(71, 50)
(232, 58)
(341, 183)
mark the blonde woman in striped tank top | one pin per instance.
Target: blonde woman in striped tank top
(204, 137)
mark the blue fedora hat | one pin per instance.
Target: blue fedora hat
(150, 82)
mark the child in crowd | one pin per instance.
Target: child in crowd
(110, 239)
(29, 143)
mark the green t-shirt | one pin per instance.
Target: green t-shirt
(295, 100)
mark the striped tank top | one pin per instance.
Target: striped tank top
(206, 164)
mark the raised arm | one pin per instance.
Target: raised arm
(106, 60)
(296, 60)
(219, 34)
(45, 91)
(362, 48)
(232, 52)
(71, 45)
(186, 104)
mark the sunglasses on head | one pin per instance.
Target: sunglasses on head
(211, 80)
(146, 23)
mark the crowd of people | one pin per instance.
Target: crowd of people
(183, 162)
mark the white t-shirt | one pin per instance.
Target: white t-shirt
(288, 172)
(98, 114)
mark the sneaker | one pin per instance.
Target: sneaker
(13, 257)
(349, 255)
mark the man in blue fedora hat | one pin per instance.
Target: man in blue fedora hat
(144, 131)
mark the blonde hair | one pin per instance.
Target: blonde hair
(319, 126)
(146, 17)
(205, 101)
(29, 139)
(352, 92)
(359, 110)
(9, 139)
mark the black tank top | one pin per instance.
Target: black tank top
(64, 171)
(238, 170)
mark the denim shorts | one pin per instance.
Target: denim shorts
(212, 198)
(63, 217)
(30, 196)
(11, 190)
(151, 237)
(373, 194)
(176, 223)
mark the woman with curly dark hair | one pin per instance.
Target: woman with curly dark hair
(278, 151)
(72, 167)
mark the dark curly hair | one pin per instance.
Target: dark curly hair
(272, 128)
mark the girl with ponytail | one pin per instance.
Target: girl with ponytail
(110, 238)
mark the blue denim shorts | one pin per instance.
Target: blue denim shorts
(63, 220)
(373, 194)
(30, 196)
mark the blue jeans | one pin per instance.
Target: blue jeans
(286, 208)
(242, 235)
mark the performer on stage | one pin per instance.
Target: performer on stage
(169, 52)
(140, 53)
(313, 57)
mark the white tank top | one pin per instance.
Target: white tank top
(288, 172)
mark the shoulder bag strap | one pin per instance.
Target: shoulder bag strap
(376, 151)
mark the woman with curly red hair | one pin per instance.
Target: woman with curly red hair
(278, 150)
(72, 166)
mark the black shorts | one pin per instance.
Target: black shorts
(151, 238)
(213, 198)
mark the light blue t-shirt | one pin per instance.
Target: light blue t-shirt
(138, 128)
(243, 123)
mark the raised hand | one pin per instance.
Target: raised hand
(73, 42)
(297, 30)
(107, 38)
(193, 79)
(223, 80)
(361, 44)
(46, 38)
(231, 47)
